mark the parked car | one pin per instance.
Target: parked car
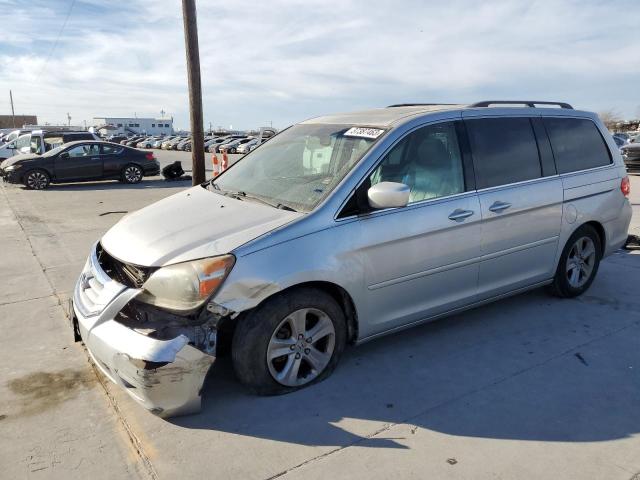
(631, 156)
(180, 145)
(133, 141)
(171, 145)
(232, 147)
(78, 162)
(217, 147)
(146, 143)
(158, 142)
(213, 143)
(344, 228)
(14, 146)
(13, 134)
(41, 141)
(246, 146)
(116, 138)
(165, 142)
(619, 141)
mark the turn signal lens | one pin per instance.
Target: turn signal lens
(625, 186)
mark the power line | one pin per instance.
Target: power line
(55, 44)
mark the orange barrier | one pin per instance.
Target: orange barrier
(225, 161)
(216, 165)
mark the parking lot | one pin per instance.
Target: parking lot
(529, 387)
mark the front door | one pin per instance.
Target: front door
(80, 162)
(421, 260)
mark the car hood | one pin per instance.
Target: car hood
(192, 224)
(19, 158)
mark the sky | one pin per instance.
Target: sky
(283, 61)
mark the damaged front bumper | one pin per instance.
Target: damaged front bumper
(164, 375)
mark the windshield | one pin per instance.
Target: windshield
(54, 151)
(299, 167)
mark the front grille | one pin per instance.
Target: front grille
(133, 276)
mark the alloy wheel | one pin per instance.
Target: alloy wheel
(132, 174)
(37, 180)
(580, 262)
(301, 347)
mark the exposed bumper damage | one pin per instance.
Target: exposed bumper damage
(161, 361)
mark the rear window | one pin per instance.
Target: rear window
(77, 136)
(504, 151)
(577, 144)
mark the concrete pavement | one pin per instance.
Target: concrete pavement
(530, 387)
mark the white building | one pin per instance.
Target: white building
(124, 125)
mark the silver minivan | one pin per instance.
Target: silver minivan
(343, 228)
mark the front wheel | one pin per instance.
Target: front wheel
(132, 174)
(36, 180)
(291, 341)
(578, 263)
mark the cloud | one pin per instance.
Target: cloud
(288, 60)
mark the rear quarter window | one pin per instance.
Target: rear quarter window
(504, 151)
(577, 144)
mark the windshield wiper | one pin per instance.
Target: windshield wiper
(241, 195)
(282, 206)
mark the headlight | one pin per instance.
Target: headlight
(186, 286)
(11, 168)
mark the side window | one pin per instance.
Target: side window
(24, 141)
(428, 160)
(110, 149)
(52, 142)
(504, 151)
(36, 144)
(83, 151)
(576, 144)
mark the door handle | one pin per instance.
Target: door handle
(498, 207)
(459, 214)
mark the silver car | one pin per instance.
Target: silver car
(341, 229)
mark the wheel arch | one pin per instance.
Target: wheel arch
(335, 291)
(602, 234)
(46, 170)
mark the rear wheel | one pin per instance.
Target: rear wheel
(291, 341)
(36, 180)
(132, 174)
(578, 263)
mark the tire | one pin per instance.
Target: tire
(270, 329)
(36, 179)
(131, 174)
(578, 263)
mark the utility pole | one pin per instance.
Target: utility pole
(13, 114)
(195, 91)
(68, 120)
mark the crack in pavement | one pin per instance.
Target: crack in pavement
(135, 442)
(453, 400)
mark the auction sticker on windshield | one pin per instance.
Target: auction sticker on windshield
(363, 132)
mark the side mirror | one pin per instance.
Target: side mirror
(64, 155)
(388, 195)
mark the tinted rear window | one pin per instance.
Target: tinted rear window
(77, 136)
(504, 151)
(577, 144)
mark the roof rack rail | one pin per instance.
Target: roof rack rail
(528, 103)
(418, 104)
